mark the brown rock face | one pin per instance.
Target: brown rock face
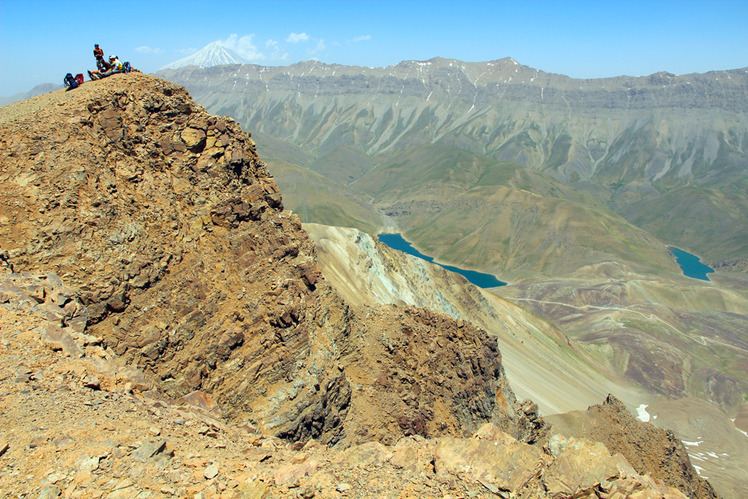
(172, 233)
(648, 449)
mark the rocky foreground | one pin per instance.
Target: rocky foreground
(80, 422)
(166, 331)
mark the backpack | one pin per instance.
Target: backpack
(70, 82)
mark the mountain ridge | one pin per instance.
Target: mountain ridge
(634, 143)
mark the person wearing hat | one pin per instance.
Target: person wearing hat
(115, 66)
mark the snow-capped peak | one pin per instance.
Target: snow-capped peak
(213, 54)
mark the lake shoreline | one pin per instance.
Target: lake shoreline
(691, 264)
(480, 279)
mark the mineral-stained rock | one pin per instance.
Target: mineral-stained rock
(198, 399)
(171, 233)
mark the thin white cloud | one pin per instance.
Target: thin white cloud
(243, 46)
(361, 38)
(319, 48)
(148, 50)
(275, 52)
(297, 38)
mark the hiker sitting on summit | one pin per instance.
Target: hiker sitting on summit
(115, 66)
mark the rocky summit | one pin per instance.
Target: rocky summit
(166, 331)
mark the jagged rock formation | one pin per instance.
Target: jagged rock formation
(116, 440)
(173, 234)
(648, 449)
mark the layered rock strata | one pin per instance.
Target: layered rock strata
(172, 234)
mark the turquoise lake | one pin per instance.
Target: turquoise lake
(691, 264)
(396, 241)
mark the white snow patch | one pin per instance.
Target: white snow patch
(692, 444)
(642, 413)
(700, 471)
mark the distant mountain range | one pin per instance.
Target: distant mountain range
(213, 54)
(37, 90)
(668, 153)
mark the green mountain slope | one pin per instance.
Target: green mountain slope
(314, 197)
(503, 218)
(627, 141)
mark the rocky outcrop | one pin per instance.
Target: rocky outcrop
(117, 441)
(120, 439)
(648, 449)
(365, 271)
(171, 233)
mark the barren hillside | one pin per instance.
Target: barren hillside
(148, 267)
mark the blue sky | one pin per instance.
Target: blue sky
(40, 41)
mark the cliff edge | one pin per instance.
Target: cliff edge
(172, 233)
